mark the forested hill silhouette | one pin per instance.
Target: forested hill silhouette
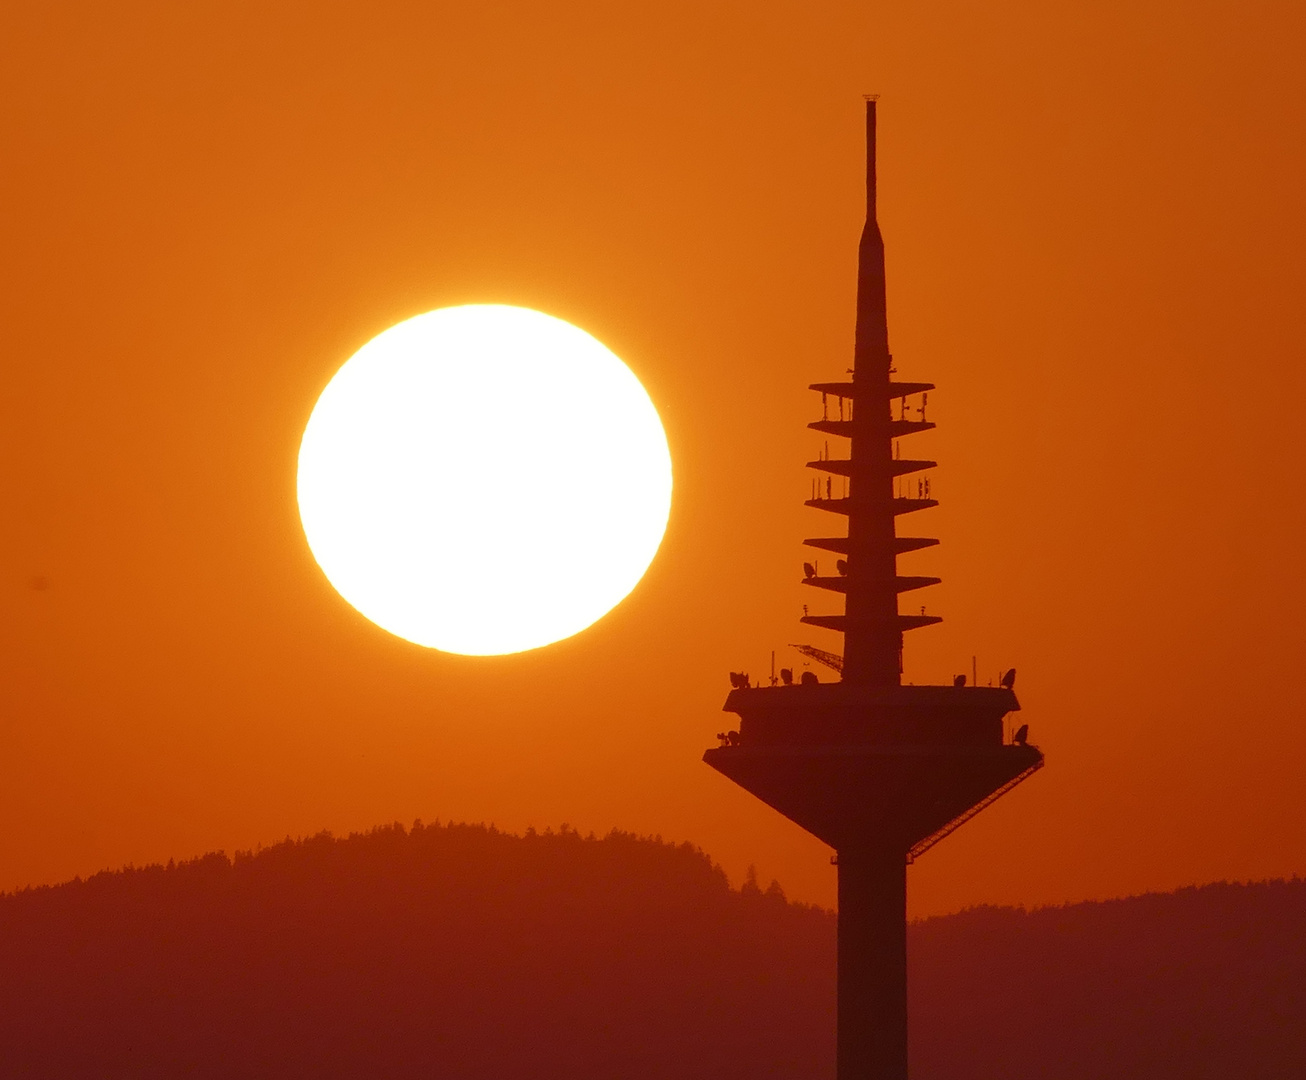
(449, 952)
(461, 953)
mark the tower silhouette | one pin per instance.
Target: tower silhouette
(879, 771)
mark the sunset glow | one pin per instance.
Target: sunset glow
(484, 480)
(1091, 216)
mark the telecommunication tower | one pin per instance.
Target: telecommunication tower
(878, 770)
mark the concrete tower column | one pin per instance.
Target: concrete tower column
(872, 957)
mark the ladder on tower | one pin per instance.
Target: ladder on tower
(922, 846)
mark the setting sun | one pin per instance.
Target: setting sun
(484, 480)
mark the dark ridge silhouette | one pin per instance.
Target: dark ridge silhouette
(445, 952)
(459, 951)
(1198, 984)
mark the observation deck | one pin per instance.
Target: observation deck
(901, 764)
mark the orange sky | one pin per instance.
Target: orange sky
(1094, 223)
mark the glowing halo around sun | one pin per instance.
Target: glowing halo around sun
(484, 480)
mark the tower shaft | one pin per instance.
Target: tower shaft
(872, 964)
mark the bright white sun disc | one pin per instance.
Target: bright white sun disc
(484, 479)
